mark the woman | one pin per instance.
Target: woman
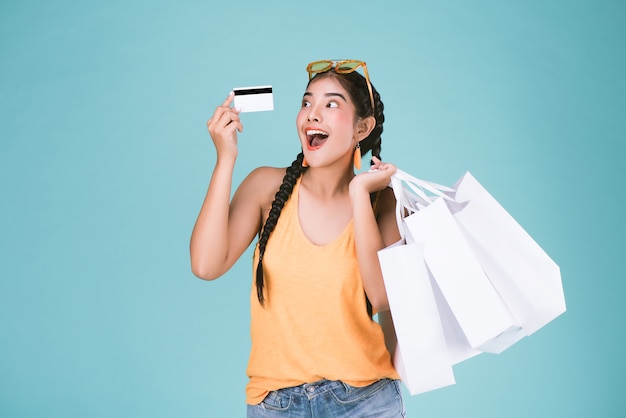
(316, 351)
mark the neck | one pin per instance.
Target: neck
(327, 181)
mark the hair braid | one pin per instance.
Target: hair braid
(374, 139)
(282, 195)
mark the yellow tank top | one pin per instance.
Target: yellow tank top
(314, 324)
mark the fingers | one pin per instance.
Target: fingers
(378, 165)
(224, 121)
(225, 115)
(381, 166)
(377, 178)
(229, 99)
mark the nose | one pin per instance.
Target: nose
(313, 115)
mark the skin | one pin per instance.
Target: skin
(330, 192)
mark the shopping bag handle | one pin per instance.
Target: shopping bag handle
(411, 196)
(419, 186)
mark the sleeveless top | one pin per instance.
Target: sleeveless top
(314, 324)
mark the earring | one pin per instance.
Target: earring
(304, 162)
(357, 156)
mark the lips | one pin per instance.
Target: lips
(316, 138)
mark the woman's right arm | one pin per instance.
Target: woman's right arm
(224, 229)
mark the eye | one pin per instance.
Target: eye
(306, 103)
(332, 104)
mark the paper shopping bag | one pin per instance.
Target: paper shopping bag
(526, 278)
(469, 294)
(459, 349)
(414, 331)
(413, 195)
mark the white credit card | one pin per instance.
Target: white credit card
(254, 99)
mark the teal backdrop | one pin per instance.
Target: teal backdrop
(105, 159)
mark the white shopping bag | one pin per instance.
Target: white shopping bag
(420, 352)
(413, 195)
(413, 329)
(468, 292)
(526, 278)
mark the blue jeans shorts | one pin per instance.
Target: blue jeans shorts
(333, 399)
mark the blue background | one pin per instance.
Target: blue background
(105, 159)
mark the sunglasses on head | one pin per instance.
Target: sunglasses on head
(341, 67)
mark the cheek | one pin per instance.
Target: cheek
(345, 119)
(300, 120)
(301, 117)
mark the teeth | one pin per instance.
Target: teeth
(316, 132)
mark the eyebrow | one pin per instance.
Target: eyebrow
(327, 95)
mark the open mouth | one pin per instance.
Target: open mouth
(316, 138)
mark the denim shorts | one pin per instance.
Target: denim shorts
(332, 399)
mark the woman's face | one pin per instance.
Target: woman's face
(326, 123)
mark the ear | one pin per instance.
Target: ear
(364, 127)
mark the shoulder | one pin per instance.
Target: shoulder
(266, 178)
(263, 182)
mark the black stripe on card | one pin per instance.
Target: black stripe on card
(257, 90)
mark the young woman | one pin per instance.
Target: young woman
(316, 351)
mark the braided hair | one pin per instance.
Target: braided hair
(356, 86)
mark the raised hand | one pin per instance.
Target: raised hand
(223, 127)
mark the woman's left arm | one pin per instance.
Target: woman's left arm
(373, 231)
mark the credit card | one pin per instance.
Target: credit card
(254, 99)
